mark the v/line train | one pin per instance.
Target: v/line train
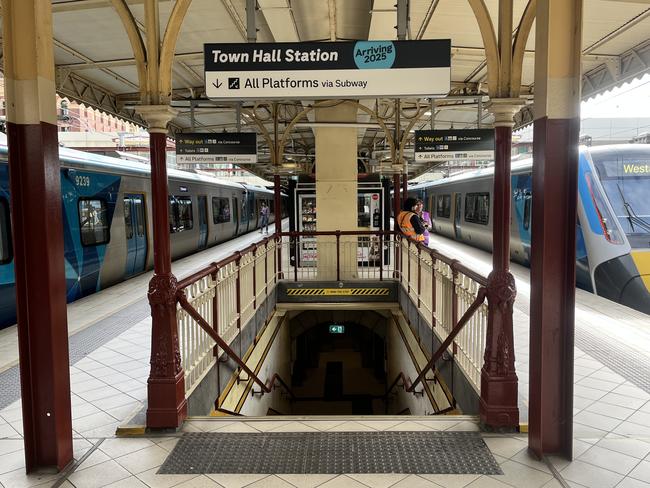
(107, 225)
(613, 231)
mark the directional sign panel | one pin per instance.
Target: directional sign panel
(313, 70)
(454, 144)
(219, 148)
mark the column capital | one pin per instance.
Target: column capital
(157, 116)
(504, 110)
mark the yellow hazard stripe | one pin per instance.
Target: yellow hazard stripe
(338, 292)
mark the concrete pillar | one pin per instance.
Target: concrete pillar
(498, 405)
(553, 259)
(37, 229)
(167, 407)
(336, 187)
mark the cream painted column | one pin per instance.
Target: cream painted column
(336, 188)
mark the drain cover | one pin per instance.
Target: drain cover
(331, 453)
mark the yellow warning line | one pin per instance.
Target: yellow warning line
(293, 292)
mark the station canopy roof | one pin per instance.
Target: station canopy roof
(95, 63)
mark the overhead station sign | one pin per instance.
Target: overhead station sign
(221, 148)
(312, 70)
(454, 144)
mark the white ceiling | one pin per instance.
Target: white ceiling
(92, 49)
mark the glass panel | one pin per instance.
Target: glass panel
(363, 210)
(220, 210)
(93, 222)
(139, 209)
(128, 218)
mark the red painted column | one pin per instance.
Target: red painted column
(277, 203)
(498, 404)
(37, 231)
(405, 188)
(553, 257)
(167, 406)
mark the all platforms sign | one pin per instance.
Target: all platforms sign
(313, 70)
(211, 149)
(454, 144)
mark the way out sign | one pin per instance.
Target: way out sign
(454, 145)
(216, 148)
(314, 70)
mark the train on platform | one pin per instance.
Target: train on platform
(613, 230)
(107, 220)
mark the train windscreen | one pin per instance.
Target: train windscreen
(625, 176)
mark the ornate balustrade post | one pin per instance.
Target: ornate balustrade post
(498, 405)
(167, 407)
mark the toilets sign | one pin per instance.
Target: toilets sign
(313, 70)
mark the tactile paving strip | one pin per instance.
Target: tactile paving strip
(631, 364)
(81, 344)
(331, 453)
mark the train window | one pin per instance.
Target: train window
(443, 206)
(477, 208)
(128, 218)
(6, 253)
(180, 213)
(220, 210)
(93, 221)
(139, 210)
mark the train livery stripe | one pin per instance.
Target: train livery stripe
(585, 196)
(642, 263)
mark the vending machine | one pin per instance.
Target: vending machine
(373, 214)
(307, 223)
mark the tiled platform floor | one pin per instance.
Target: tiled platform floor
(611, 423)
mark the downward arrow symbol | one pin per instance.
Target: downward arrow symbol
(217, 84)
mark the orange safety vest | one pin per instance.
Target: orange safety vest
(404, 222)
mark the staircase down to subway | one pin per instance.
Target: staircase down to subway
(396, 330)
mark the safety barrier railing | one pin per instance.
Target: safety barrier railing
(225, 296)
(451, 298)
(337, 255)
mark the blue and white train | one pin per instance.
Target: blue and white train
(613, 231)
(107, 221)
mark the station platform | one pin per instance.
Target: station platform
(110, 347)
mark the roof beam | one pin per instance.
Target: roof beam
(629, 65)
(76, 5)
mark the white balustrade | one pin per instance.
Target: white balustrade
(214, 297)
(431, 284)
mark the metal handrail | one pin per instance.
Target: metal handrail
(480, 298)
(188, 280)
(271, 384)
(406, 383)
(182, 300)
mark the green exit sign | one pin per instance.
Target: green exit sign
(337, 329)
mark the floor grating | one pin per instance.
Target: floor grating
(331, 453)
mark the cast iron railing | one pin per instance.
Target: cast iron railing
(218, 301)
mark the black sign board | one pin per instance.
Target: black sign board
(454, 144)
(328, 69)
(218, 148)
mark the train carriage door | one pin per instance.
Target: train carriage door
(457, 214)
(136, 234)
(203, 221)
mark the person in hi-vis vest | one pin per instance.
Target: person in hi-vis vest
(409, 221)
